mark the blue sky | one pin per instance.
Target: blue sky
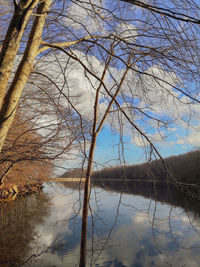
(107, 148)
(158, 97)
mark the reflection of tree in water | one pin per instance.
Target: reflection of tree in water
(17, 221)
(175, 230)
(159, 191)
(121, 228)
(150, 233)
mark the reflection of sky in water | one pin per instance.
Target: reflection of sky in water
(129, 231)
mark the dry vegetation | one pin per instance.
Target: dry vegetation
(23, 160)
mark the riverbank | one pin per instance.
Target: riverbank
(9, 191)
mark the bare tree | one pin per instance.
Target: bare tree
(136, 64)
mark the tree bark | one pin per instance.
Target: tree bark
(22, 13)
(95, 132)
(13, 95)
(86, 198)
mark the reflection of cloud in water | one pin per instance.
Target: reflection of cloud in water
(131, 243)
(140, 218)
(134, 244)
(56, 225)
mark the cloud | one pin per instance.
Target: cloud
(139, 140)
(75, 91)
(69, 105)
(72, 81)
(98, 17)
(91, 18)
(127, 32)
(193, 137)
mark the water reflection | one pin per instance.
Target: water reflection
(17, 227)
(124, 229)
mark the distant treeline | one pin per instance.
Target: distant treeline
(74, 173)
(150, 179)
(185, 168)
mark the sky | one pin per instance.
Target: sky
(140, 92)
(135, 154)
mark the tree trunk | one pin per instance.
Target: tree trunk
(83, 248)
(12, 41)
(13, 95)
(86, 197)
(95, 132)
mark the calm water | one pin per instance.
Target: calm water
(123, 230)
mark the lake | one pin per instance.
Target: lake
(129, 225)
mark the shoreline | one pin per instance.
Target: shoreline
(11, 191)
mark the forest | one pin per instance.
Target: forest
(185, 168)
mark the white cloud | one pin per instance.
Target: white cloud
(140, 141)
(127, 32)
(154, 96)
(193, 137)
(73, 83)
(180, 141)
(172, 129)
(91, 17)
